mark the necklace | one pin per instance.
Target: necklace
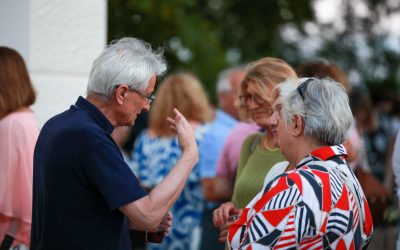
(264, 144)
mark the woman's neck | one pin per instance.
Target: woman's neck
(306, 147)
(23, 109)
(267, 142)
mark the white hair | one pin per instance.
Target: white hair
(126, 61)
(224, 79)
(325, 110)
(284, 88)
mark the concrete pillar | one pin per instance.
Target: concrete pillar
(59, 41)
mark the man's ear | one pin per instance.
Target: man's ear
(120, 94)
(297, 125)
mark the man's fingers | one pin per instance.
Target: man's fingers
(169, 216)
(177, 113)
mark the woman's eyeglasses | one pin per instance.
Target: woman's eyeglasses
(245, 99)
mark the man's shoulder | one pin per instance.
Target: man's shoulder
(62, 118)
(74, 124)
(217, 131)
(223, 119)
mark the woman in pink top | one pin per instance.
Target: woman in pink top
(229, 158)
(18, 135)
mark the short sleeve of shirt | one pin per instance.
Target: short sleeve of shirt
(111, 176)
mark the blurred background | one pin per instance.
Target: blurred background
(362, 36)
(60, 39)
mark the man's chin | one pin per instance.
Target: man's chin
(133, 121)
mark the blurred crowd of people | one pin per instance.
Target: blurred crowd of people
(242, 158)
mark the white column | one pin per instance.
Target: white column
(59, 40)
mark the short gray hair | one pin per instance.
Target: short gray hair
(126, 61)
(224, 82)
(284, 89)
(325, 109)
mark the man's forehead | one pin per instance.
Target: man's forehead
(152, 82)
(236, 78)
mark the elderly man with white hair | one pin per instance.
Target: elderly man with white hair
(319, 204)
(84, 194)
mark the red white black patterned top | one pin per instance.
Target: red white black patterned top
(311, 207)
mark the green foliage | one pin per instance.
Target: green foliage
(206, 36)
(191, 42)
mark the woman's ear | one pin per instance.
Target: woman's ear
(297, 125)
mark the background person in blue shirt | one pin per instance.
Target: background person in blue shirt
(84, 194)
(225, 118)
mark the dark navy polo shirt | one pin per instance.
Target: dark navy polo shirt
(79, 181)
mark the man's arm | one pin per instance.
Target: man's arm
(148, 212)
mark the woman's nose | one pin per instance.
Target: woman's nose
(274, 119)
(252, 104)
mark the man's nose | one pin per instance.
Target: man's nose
(146, 107)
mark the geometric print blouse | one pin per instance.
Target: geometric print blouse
(311, 207)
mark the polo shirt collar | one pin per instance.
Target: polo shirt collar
(324, 153)
(95, 113)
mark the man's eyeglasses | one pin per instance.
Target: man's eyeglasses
(245, 99)
(149, 98)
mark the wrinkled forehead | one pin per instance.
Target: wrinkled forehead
(236, 78)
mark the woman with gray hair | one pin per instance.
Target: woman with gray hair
(320, 203)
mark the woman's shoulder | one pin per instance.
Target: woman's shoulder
(276, 170)
(249, 145)
(148, 136)
(20, 116)
(251, 142)
(246, 127)
(18, 121)
(251, 138)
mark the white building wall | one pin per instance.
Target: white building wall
(14, 25)
(59, 40)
